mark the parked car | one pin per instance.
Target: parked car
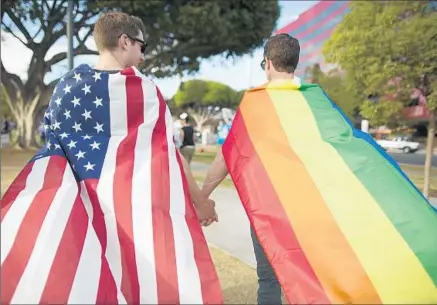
(399, 143)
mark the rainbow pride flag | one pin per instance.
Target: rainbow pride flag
(338, 219)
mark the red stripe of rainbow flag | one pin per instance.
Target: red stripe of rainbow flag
(337, 218)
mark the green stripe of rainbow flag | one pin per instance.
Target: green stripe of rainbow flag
(336, 216)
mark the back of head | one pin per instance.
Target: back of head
(283, 51)
(184, 118)
(110, 26)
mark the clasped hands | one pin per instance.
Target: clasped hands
(205, 209)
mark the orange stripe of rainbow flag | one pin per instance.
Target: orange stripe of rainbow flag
(337, 218)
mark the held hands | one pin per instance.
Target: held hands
(206, 211)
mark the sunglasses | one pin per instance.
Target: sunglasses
(142, 42)
(263, 64)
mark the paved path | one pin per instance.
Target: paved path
(232, 233)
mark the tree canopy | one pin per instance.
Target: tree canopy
(206, 93)
(204, 100)
(180, 33)
(387, 49)
(335, 86)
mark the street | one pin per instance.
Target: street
(412, 159)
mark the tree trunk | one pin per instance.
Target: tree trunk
(25, 131)
(199, 118)
(429, 154)
(23, 113)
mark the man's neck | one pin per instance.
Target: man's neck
(108, 62)
(282, 76)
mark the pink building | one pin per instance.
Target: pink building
(313, 28)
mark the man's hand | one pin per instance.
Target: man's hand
(206, 211)
(204, 206)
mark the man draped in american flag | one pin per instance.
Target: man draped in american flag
(104, 213)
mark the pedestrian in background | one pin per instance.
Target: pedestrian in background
(188, 147)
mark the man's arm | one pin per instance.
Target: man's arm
(194, 189)
(204, 206)
(216, 173)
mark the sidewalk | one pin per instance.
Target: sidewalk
(231, 234)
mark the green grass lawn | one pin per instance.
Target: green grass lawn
(204, 157)
(415, 173)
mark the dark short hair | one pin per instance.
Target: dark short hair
(283, 50)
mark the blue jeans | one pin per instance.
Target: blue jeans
(269, 289)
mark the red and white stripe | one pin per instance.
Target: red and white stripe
(130, 237)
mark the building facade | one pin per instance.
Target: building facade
(313, 28)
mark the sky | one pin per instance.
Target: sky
(239, 73)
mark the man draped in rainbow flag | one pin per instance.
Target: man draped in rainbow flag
(331, 212)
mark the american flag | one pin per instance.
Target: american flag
(102, 214)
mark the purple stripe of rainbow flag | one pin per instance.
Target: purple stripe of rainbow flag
(339, 222)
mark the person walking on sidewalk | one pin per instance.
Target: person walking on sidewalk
(188, 146)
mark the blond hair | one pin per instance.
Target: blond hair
(110, 26)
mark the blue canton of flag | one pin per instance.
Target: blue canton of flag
(77, 121)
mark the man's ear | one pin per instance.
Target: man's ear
(122, 42)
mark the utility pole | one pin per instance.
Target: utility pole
(70, 26)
